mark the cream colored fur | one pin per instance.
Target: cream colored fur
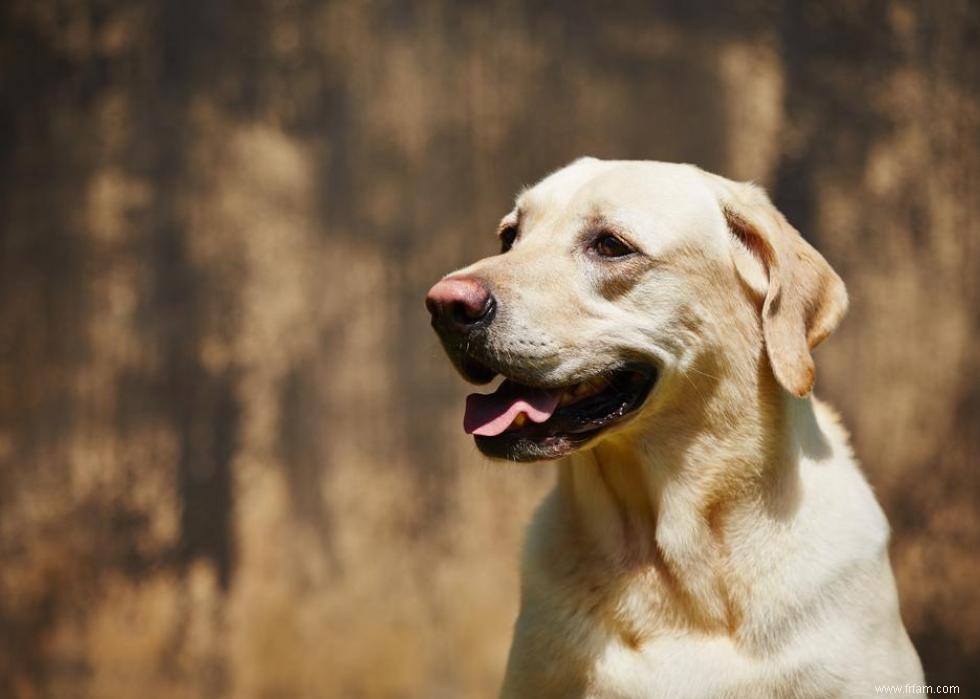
(723, 543)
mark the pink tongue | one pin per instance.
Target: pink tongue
(489, 414)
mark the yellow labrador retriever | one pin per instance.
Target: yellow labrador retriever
(710, 534)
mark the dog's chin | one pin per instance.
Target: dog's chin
(587, 410)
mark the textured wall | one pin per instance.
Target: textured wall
(230, 455)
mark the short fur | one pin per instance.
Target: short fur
(723, 542)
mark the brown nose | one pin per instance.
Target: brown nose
(460, 304)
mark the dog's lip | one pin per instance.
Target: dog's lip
(565, 431)
(512, 449)
(473, 370)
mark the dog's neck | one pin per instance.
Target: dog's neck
(659, 502)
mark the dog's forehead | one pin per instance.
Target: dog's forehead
(667, 202)
(555, 191)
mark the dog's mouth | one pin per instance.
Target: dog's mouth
(526, 423)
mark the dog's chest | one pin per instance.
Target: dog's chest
(638, 632)
(697, 667)
(632, 642)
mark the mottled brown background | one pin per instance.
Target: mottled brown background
(230, 455)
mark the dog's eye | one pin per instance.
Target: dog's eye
(608, 245)
(507, 237)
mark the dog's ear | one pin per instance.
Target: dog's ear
(804, 298)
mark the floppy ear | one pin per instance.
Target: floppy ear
(804, 300)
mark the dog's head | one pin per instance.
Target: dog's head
(614, 281)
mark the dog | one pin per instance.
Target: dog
(710, 534)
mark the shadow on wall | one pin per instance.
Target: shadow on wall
(230, 458)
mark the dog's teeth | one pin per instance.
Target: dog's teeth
(590, 387)
(586, 388)
(519, 420)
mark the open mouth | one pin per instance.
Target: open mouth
(524, 423)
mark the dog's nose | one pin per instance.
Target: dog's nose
(461, 303)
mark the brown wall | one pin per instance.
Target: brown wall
(230, 455)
